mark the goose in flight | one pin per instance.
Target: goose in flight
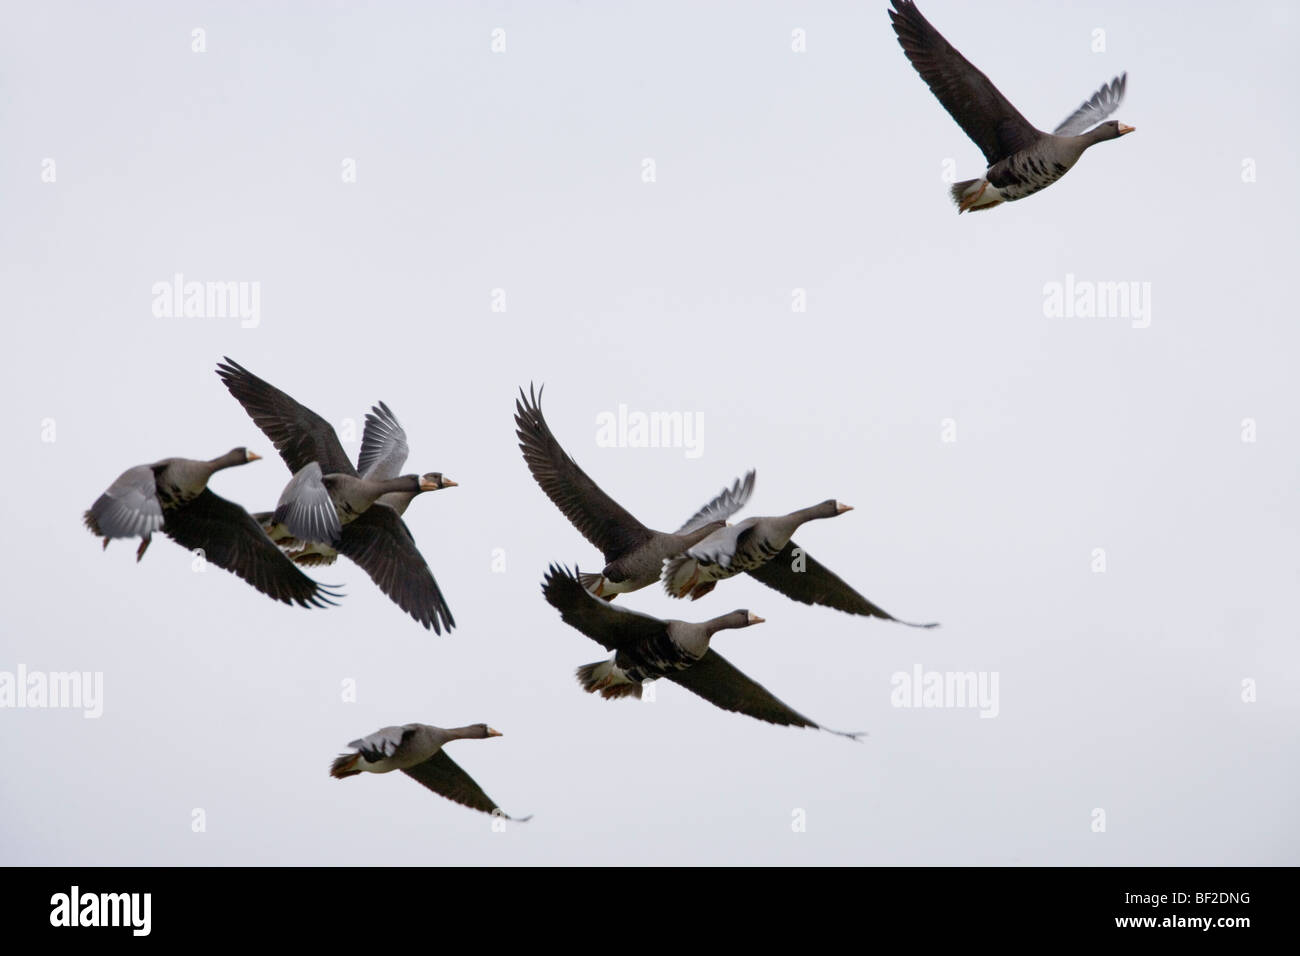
(383, 453)
(326, 489)
(1021, 159)
(646, 648)
(417, 751)
(172, 496)
(634, 554)
(763, 548)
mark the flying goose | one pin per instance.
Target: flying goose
(172, 495)
(383, 453)
(416, 750)
(763, 548)
(1022, 159)
(315, 508)
(647, 648)
(634, 554)
(376, 539)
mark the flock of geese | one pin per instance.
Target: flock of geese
(329, 506)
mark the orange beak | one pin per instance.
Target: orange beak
(1125, 129)
(253, 456)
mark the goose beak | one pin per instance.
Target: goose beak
(448, 483)
(840, 508)
(1125, 129)
(252, 456)
(494, 733)
(754, 618)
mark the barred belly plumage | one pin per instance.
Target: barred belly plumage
(652, 659)
(1025, 174)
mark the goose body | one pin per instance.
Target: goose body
(315, 508)
(417, 751)
(646, 648)
(383, 453)
(329, 508)
(634, 554)
(1022, 159)
(745, 546)
(172, 495)
(764, 548)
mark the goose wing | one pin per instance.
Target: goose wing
(383, 742)
(727, 503)
(379, 541)
(383, 445)
(299, 434)
(445, 777)
(230, 538)
(799, 576)
(306, 508)
(608, 625)
(1094, 109)
(129, 508)
(722, 685)
(987, 116)
(600, 519)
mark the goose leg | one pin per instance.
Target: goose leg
(144, 544)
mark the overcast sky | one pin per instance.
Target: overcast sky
(1102, 510)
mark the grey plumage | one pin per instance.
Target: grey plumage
(763, 547)
(417, 750)
(634, 554)
(647, 648)
(306, 510)
(727, 503)
(378, 540)
(171, 495)
(383, 444)
(1021, 158)
(129, 508)
(1094, 109)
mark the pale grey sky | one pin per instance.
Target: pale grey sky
(775, 171)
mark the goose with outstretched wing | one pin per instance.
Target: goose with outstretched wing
(634, 554)
(1021, 158)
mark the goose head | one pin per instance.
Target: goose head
(435, 481)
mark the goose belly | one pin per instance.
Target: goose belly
(653, 659)
(172, 495)
(756, 556)
(1025, 174)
